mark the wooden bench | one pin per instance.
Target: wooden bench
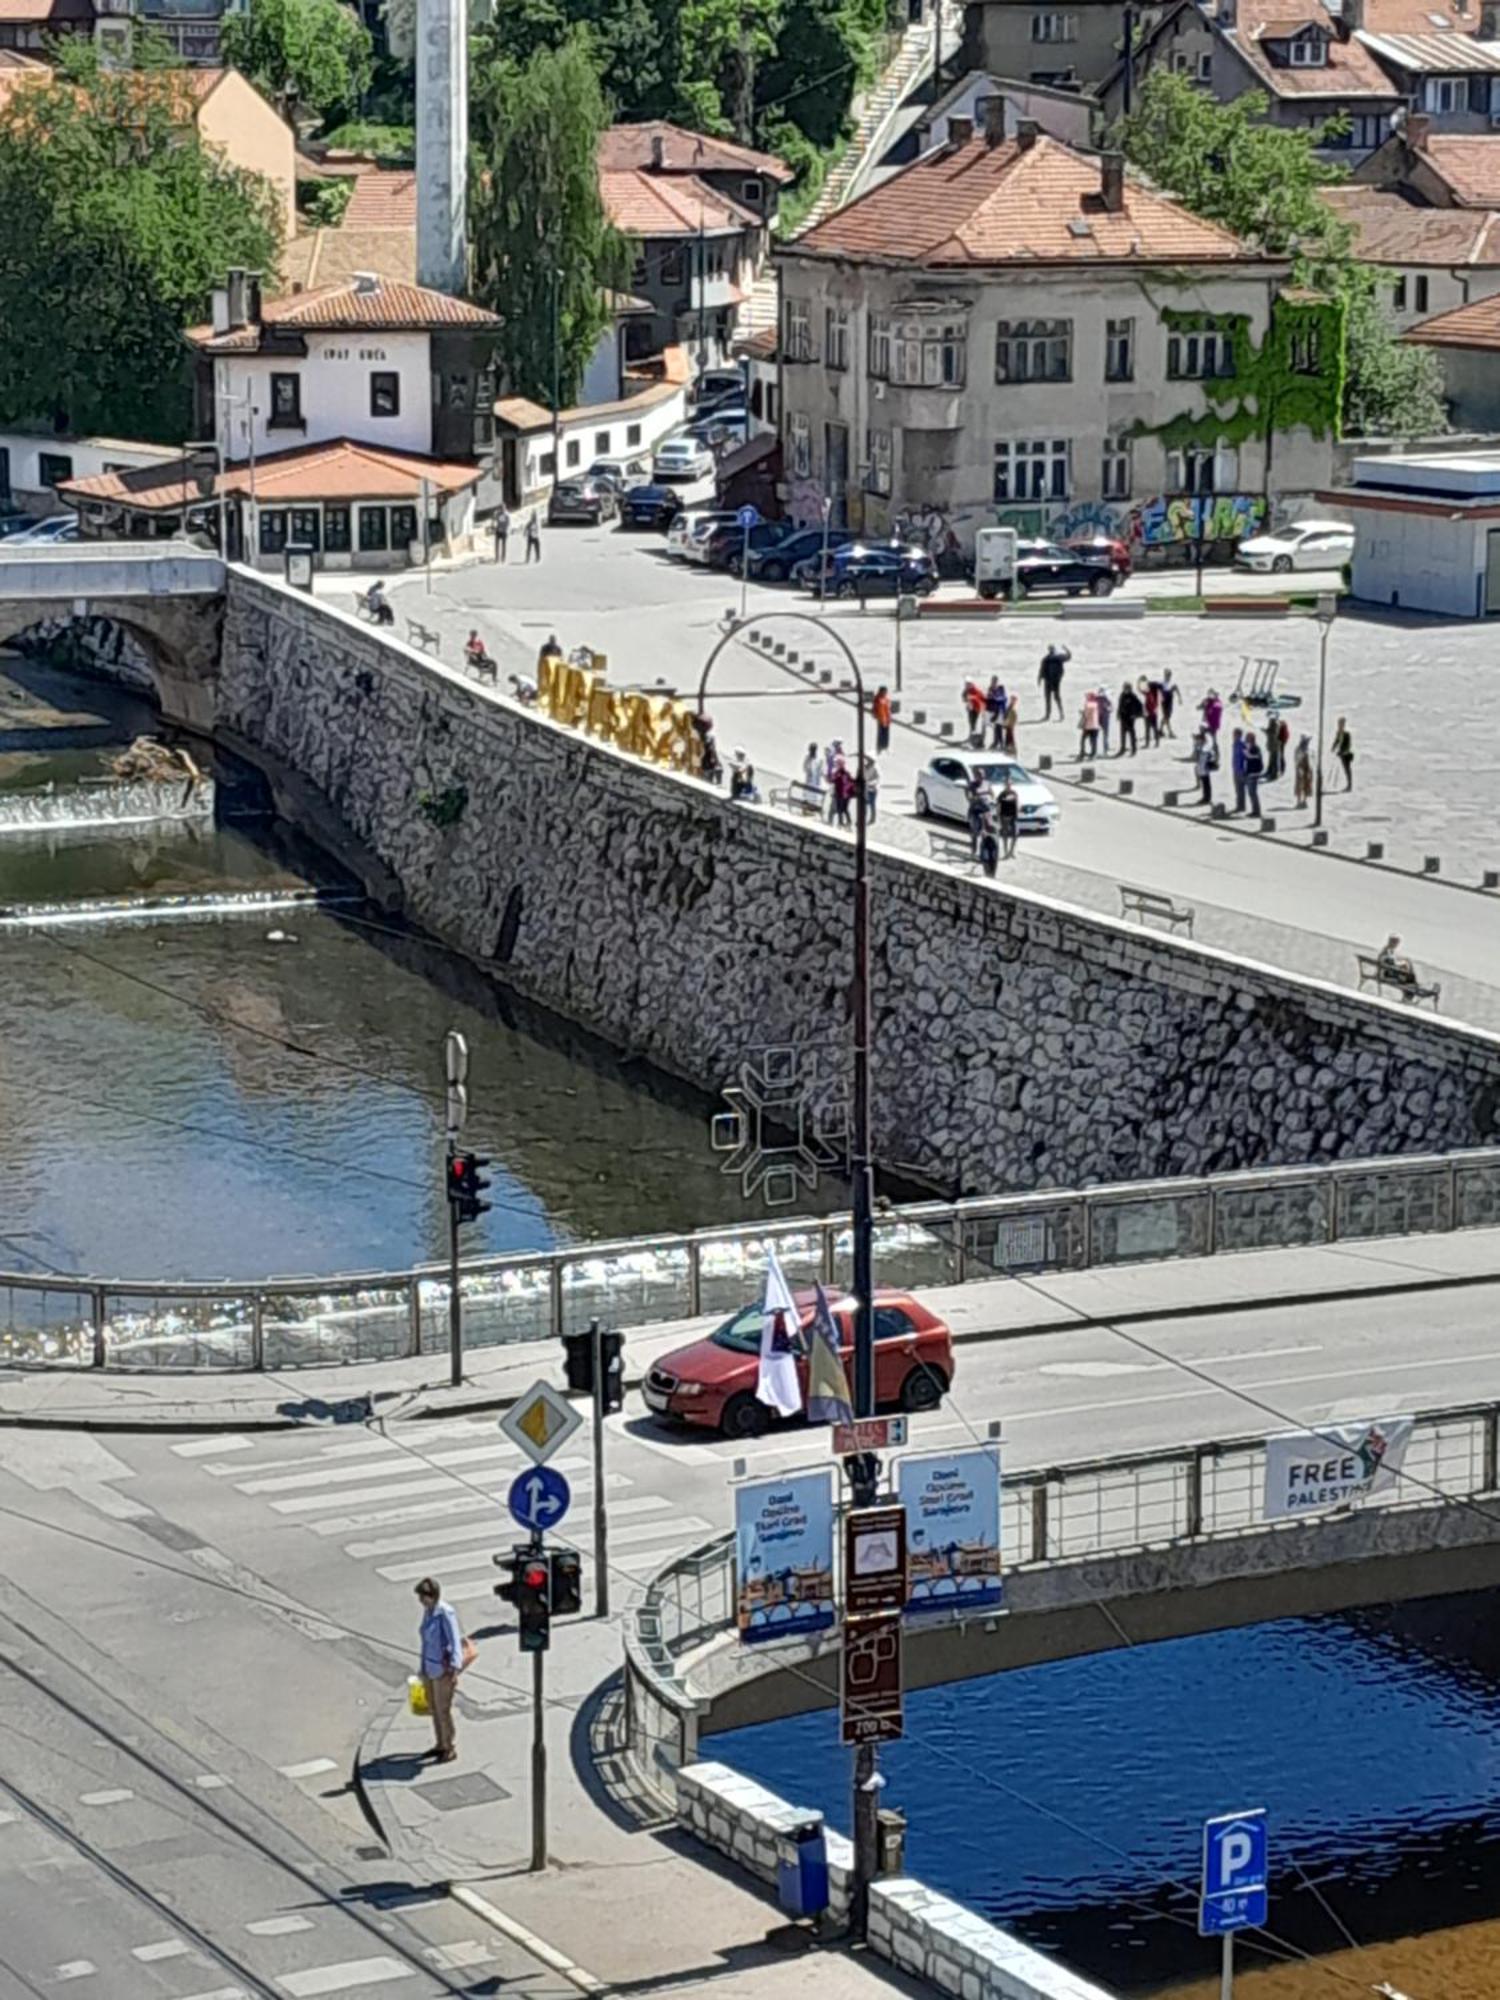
(807, 799)
(418, 634)
(1384, 979)
(1149, 905)
(486, 668)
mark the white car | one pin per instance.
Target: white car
(621, 473)
(943, 788)
(1303, 545)
(683, 458)
(688, 535)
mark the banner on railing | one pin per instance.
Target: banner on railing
(783, 1548)
(1307, 1472)
(952, 1502)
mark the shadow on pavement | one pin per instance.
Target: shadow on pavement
(399, 1768)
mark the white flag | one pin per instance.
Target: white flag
(780, 1323)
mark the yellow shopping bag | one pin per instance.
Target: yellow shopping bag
(416, 1696)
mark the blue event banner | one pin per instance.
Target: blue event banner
(783, 1537)
(952, 1502)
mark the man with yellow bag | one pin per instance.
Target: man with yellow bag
(445, 1654)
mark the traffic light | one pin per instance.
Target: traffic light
(578, 1353)
(465, 1185)
(534, 1603)
(567, 1583)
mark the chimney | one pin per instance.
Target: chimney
(991, 114)
(1027, 134)
(366, 284)
(960, 131)
(1416, 130)
(658, 153)
(220, 312)
(252, 298)
(1351, 18)
(1112, 181)
(236, 298)
(1228, 13)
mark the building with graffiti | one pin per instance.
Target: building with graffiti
(1008, 330)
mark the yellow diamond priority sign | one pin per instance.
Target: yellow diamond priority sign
(539, 1421)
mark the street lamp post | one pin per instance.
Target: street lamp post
(1328, 610)
(864, 1467)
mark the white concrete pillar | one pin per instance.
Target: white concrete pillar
(443, 145)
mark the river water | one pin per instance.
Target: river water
(236, 1095)
(1067, 1801)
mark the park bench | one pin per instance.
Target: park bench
(418, 634)
(1384, 978)
(807, 799)
(1150, 906)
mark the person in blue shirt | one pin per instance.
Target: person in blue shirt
(442, 1643)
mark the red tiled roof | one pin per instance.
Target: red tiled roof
(15, 60)
(346, 308)
(342, 469)
(1389, 229)
(40, 13)
(625, 146)
(1418, 17)
(332, 256)
(643, 204)
(1350, 72)
(1476, 325)
(1001, 204)
(383, 199)
(1470, 166)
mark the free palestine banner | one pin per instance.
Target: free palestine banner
(1337, 1465)
(952, 1503)
(783, 1546)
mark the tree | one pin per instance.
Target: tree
(306, 55)
(1264, 182)
(115, 224)
(544, 251)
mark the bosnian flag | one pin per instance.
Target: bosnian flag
(828, 1398)
(780, 1322)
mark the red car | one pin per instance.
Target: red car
(1104, 548)
(712, 1381)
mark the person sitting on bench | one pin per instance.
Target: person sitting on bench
(477, 655)
(376, 606)
(1392, 966)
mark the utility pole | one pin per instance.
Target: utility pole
(1328, 608)
(556, 382)
(601, 1512)
(539, 1729)
(1127, 82)
(463, 1184)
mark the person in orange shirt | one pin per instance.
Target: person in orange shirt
(880, 708)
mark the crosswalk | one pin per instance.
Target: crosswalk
(409, 1508)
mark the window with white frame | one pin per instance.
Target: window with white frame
(1203, 469)
(1119, 350)
(799, 430)
(1198, 357)
(877, 461)
(1033, 469)
(1445, 93)
(836, 337)
(798, 346)
(880, 349)
(1205, 65)
(1114, 473)
(1052, 27)
(1034, 350)
(1398, 296)
(924, 353)
(1307, 52)
(1305, 350)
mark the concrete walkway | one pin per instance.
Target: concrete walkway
(992, 1309)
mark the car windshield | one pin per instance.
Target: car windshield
(999, 774)
(740, 1333)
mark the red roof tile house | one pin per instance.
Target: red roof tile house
(1010, 330)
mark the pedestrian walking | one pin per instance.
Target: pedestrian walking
(1088, 727)
(445, 1652)
(1009, 814)
(812, 778)
(1106, 710)
(989, 845)
(1255, 770)
(974, 713)
(1151, 702)
(742, 785)
(1050, 677)
(501, 526)
(880, 708)
(534, 537)
(1343, 749)
(1129, 712)
(981, 803)
(1212, 711)
(842, 785)
(871, 788)
(994, 708)
(1205, 761)
(833, 756)
(1303, 771)
(1168, 701)
(1237, 768)
(1012, 723)
(1275, 748)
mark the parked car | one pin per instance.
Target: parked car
(1102, 548)
(687, 524)
(683, 458)
(725, 420)
(862, 569)
(717, 386)
(695, 547)
(56, 528)
(1303, 545)
(16, 524)
(650, 507)
(587, 500)
(775, 562)
(620, 473)
(942, 789)
(711, 1383)
(725, 548)
(1045, 566)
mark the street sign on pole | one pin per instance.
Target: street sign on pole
(748, 518)
(1234, 1895)
(539, 1421)
(538, 1499)
(870, 1699)
(874, 1561)
(868, 1434)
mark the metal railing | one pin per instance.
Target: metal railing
(1133, 1501)
(277, 1324)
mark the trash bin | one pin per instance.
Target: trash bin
(890, 1842)
(802, 1868)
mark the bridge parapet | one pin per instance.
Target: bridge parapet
(109, 569)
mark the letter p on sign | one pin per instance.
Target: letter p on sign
(1236, 1851)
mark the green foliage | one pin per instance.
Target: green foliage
(443, 809)
(324, 203)
(308, 56)
(542, 247)
(1293, 380)
(115, 224)
(389, 145)
(1263, 182)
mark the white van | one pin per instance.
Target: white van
(995, 561)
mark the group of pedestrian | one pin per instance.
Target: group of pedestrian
(993, 708)
(500, 526)
(994, 821)
(1259, 758)
(830, 784)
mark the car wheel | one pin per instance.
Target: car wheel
(742, 1417)
(923, 805)
(1102, 586)
(986, 591)
(844, 588)
(923, 1389)
(1281, 565)
(773, 572)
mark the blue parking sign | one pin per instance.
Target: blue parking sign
(748, 517)
(1235, 1887)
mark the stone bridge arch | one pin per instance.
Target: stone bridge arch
(177, 637)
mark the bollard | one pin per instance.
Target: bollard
(1267, 823)
(1218, 810)
(1430, 864)
(1375, 850)
(1491, 879)
(778, 649)
(1320, 836)
(896, 708)
(945, 729)
(792, 656)
(825, 675)
(1171, 798)
(1127, 788)
(1087, 775)
(919, 718)
(1044, 762)
(810, 667)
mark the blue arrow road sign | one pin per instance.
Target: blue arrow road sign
(538, 1498)
(748, 517)
(1234, 1874)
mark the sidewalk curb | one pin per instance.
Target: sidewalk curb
(1079, 1322)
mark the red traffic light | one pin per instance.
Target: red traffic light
(535, 1576)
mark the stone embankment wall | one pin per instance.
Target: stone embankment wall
(1017, 1043)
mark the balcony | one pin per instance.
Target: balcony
(917, 407)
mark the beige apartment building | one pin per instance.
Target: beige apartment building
(1008, 330)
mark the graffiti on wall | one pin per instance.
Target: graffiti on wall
(1208, 517)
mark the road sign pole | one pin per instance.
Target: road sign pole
(1226, 1978)
(455, 1298)
(538, 1766)
(456, 1070)
(601, 1557)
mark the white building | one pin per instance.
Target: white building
(1009, 330)
(1427, 532)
